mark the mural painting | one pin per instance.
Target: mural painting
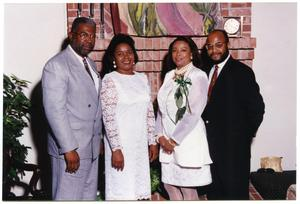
(165, 19)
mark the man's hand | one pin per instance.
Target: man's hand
(117, 160)
(153, 152)
(72, 160)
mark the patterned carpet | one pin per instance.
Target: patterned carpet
(253, 195)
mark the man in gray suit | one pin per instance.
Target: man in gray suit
(71, 87)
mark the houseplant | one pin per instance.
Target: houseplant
(155, 180)
(156, 189)
(15, 117)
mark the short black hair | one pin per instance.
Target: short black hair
(108, 57)
(223, 32)
(82, 20)
(168, 63)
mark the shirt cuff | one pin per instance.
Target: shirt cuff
(175, 140)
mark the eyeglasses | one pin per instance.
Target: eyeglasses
(84, 35)
(217, 45)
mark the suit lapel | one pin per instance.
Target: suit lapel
(220, 83)
(93, 65)
(78, 68)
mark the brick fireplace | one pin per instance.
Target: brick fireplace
(151, 51)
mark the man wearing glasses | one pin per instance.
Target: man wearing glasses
(232, 116)
(71, 87)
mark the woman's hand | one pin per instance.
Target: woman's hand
(166, 145)
(172, 142)
(117, 160)
(153, 152)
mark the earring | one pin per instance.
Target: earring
(191, 57)
(115, 66)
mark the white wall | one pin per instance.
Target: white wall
(32, 34)
(274, 25)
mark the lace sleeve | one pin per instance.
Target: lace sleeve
(151, 125)
(109, 99)
(158, 126)
(150, 116)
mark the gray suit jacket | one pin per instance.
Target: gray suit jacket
(72, 106)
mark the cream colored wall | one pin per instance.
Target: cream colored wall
(274, 25)
(32, 34)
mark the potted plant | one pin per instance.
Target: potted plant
(15, 117)
(155, 183)
(155, 180)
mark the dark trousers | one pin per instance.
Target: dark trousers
(223, 188)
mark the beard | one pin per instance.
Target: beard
(82, 49)
(222, 58)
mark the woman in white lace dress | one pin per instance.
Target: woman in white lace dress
(184, 153)
(129, 123)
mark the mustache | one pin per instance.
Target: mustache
(223, 57)
(88, 45)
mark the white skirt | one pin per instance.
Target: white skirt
(185, 176)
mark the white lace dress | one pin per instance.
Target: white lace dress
(129, 123)
(188, 165)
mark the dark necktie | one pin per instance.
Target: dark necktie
(87, 68)
(213, 81)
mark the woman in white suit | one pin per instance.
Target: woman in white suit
(184, 153)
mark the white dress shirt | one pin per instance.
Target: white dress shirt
(220, 65)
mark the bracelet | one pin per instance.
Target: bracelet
(172, 143)
(157, 137)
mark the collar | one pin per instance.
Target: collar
(221, 65)
(76, 55)
(184, 69)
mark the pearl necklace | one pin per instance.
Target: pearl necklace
(182, 70)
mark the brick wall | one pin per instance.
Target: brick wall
(151, 51)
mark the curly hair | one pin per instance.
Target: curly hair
(168, 63)
(108, 57)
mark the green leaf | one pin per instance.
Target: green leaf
(179, 114)
(182, 91)
(179, 102)
(16, 108)
(178, 97)
(155, 179)
(178, 93)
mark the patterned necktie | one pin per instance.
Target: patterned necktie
(213, 81)
(87, 68)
